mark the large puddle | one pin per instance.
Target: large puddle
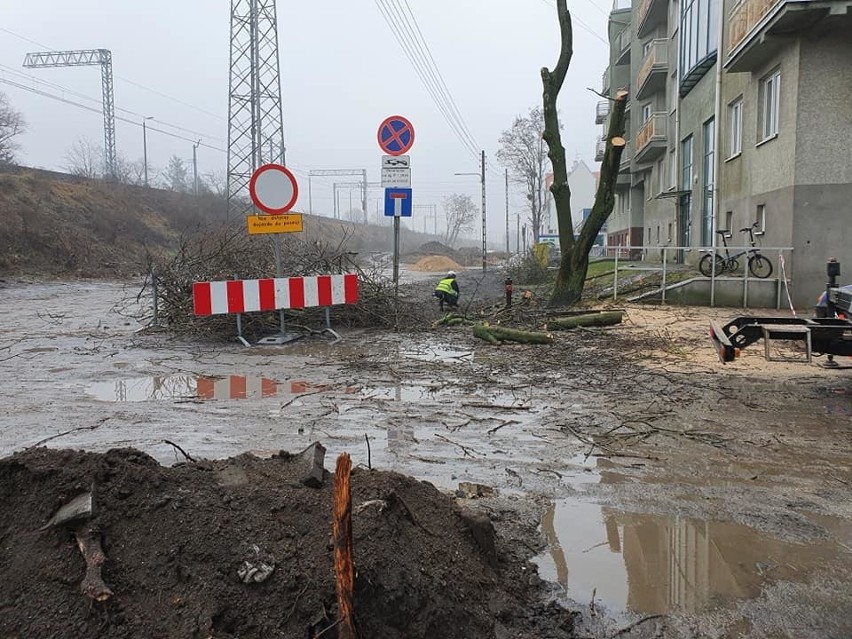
(654, 564)
(188, 387)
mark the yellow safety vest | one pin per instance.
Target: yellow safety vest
(446, 286)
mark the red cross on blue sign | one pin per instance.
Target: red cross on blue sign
(396, 135)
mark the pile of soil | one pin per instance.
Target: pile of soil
(176, 537)
(438, 248)
(436, 264)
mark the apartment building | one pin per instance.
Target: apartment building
(740, 112)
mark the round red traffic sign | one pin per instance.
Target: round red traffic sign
(273, 189)
(396, 135)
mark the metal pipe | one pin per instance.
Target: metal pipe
(664, 274)
(615, 274)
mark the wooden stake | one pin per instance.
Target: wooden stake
(93, 585)
(344, 565)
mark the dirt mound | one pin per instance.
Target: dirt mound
(437, 248)
(176, 538)
(436, 264)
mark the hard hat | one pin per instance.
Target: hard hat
(451, 273)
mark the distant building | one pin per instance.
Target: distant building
(583, 182)
(764, 138)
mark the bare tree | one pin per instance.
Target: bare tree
(176, 175)
(461, 213)
(12, 124)
(524, 152)
(574, 264)
(217, 182)
(84, 158)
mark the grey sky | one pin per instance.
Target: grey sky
(342, 73)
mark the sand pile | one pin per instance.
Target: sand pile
(436, 264)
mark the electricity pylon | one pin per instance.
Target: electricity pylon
(87, 57)
(255, 119)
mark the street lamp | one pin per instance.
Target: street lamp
(481, 174)
(145, 145)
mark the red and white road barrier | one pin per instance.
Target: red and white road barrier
(244, 296)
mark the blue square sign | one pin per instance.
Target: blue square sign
(398, 203)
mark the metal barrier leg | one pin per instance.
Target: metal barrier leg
(664, 275)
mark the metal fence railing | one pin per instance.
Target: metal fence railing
(668, 255)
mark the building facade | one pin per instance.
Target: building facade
(740, 113)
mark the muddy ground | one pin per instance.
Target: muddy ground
(649, 484)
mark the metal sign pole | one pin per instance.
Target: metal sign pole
(396, 267)
(279, 272)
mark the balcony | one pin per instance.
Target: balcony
(605, 82)
(621, 5)
(654, 71)
(651, 138)
(622, 47)
(600, 149)
(757, 27)
(601, 111)
(651, 13)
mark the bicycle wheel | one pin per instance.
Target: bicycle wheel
(705, 265)
(759, 266)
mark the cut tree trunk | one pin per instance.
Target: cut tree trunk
(609, 318)
(344, 564)
(497, 334)
(574, 263)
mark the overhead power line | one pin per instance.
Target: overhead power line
(410, 40)
(583, 25)
(123, 79)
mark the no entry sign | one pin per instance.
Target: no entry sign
(396, 135)
(273, 189)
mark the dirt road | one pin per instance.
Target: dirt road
(717, 497)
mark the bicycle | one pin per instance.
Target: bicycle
(758, 265)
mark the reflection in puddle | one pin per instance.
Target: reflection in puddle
(654, 564)
(405, 392)
(144, 389)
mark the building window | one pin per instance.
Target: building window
(672, 171)
(699, 34)
(670, 233)
(661, 175)
(760, 218)
(709, 174)
(646, 112)
(735, 122)
(729, 220)
(770, 98)
(658, 234)
(686, 164)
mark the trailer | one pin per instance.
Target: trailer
(830, 333)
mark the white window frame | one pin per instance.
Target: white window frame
(770, 105)
(735, 124)
(647, 111)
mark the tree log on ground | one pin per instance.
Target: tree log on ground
(574, 263)
(497, 334)
(609, 318)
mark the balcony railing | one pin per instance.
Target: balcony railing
(650, 14)
(621, 5)
(605, 82)
(601, 111)
(654, 130)
(745, 17)
(657, 59)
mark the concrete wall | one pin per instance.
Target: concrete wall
(823, 121)
(821, 225)
(821, 228)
